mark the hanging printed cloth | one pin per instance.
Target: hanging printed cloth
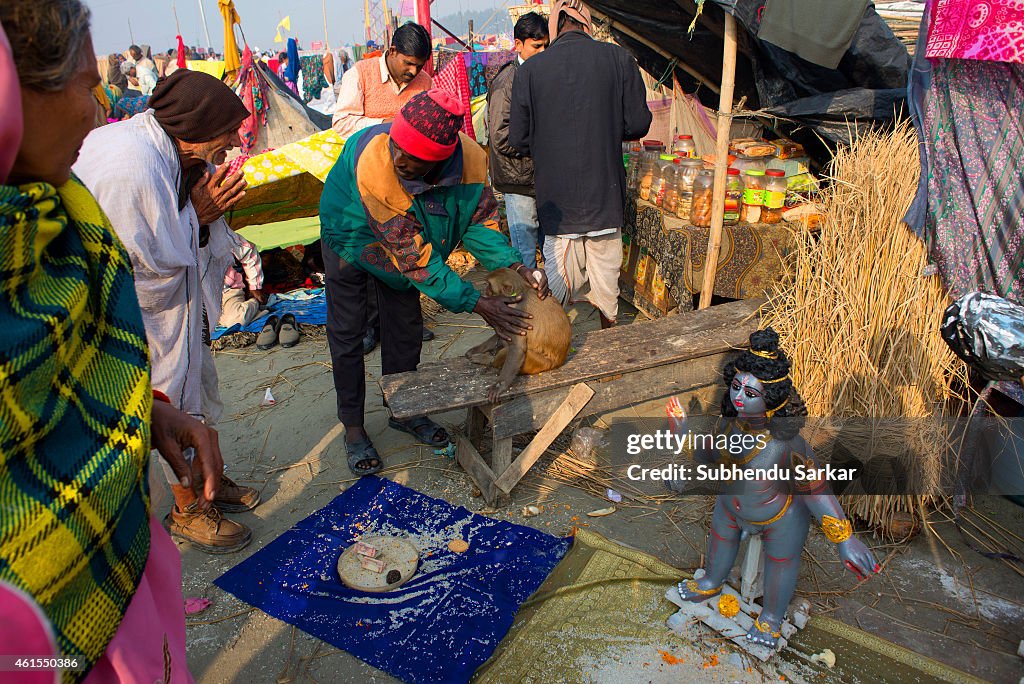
(313, 79)
(454, 79)
(252, 91)
(989, 30)
(482, 67)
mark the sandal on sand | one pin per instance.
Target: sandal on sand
(268, 335)
(360, 456)
(423, 429)
(288, 334)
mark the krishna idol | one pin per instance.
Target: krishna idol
(761, 401)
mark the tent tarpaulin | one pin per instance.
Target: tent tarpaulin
(869, 84)
(286, 183)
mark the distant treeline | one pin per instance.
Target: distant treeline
(458, 23)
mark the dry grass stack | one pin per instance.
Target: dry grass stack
(861, 323)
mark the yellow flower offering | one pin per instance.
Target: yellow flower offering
(728, 605)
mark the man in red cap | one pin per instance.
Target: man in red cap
(399, 200)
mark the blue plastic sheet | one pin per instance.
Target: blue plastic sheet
(312, 310)
(441, 625)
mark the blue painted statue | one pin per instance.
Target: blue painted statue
(762, 402)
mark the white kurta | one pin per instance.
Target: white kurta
(132, 168)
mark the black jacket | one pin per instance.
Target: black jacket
(510, 171)
(572, 106)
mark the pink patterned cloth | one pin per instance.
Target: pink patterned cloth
(236, 164)
(455, 80)
(149, 646)
(10, 113)
(253, 93)
(988, 30)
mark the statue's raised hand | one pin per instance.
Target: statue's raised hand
(858, 558)
(676, 415)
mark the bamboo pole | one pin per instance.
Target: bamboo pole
(625, 30)
(327, 40)
(721, 160)
(206, 29)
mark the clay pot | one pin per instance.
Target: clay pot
(900, 526)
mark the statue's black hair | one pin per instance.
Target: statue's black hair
(785, 422)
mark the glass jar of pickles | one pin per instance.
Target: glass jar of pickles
(670, 204)
(774, 196)
(753, 196)
(648, 169)
(703, 190)
(667, 168)
(684, 147)
(685, 175)
(733, 197)
(633, 168)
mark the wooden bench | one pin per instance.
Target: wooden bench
(610, 369)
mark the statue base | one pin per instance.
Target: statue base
(734, 628)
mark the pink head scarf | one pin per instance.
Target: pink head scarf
(10, 113)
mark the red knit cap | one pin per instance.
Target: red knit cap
(427, 127)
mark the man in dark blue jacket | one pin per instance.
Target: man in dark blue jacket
(572, 106)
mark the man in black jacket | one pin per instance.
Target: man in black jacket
(511, 172)
(572, 107)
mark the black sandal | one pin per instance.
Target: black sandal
(363, 452)
(423, 429)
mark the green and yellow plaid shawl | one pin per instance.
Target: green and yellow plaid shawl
(75, 403)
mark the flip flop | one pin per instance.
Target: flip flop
(359, 452)
(423, 429)
(268, 335)
(288, 334)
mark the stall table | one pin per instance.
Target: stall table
(663, 259)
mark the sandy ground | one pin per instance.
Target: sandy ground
(293, 452)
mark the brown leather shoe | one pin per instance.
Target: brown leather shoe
(209, 531)
(231, 497)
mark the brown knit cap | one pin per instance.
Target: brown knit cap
(196, 107)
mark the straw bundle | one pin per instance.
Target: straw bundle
(860, 322)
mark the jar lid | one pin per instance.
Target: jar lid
(693, 162)
(754, 172)
(733, 172)
(677, 160)
(667, 157)
(652, 143)
(775, 173)
(685, 137)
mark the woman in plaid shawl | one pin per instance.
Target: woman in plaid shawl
(77, 414)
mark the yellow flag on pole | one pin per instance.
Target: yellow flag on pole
(286, 23)
(230, 17)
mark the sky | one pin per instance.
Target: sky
(152, 21)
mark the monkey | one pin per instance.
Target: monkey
(543, 348)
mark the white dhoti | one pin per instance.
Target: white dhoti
(585, 269)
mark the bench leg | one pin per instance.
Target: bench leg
(476, 422)
(501, 459)
(510, 474)
(477, 469)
